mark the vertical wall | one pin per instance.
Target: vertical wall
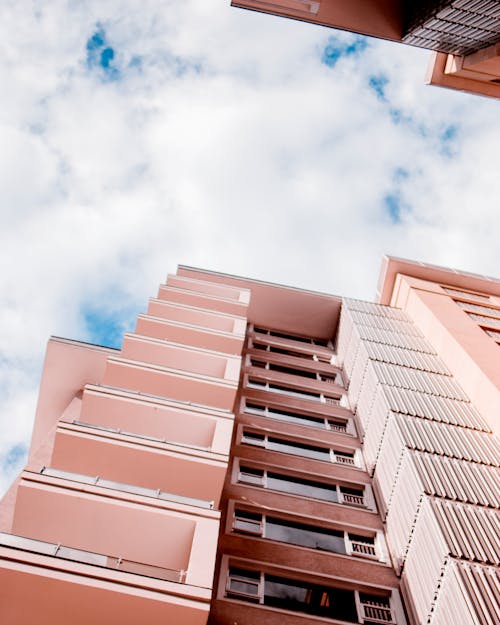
(434, 463)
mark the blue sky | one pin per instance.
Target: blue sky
(136, 137)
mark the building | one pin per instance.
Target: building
(257, 453)
(464, 34)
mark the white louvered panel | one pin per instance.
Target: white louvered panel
(357, 376)
(424, 382)
(367, 395)
(382, 323)
(376, 309)
(344, 335)
(425, 560)
(376, 423)
(449, 440)
(453, 605)
(393, 338)
(389, 459)
(403, 508)
(435, 408)
(406, 358)
(351, 352)
(459, 479)
(472, 532)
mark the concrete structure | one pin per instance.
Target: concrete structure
(464, 34)
(257, 453)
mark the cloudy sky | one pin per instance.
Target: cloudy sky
(136, 136)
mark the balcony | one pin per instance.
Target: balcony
(207, 295)
(199, 317)
(123, 521)
(166, 421)
(274, 410)
(99, 556)
(252, 593)
(88, 557)
(150, 464)
(157, 493)
(174, 371)
(298, 391)
(187, 334)
(351, 458)
(301, 534)
(353, 496)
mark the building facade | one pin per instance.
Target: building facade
(256, 453)
(464, 34)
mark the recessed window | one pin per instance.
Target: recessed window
(287, 531)
(305, 450)
(307, 598)
(247, 522)
(326, 423)
(292, 392)
(244, 584)
(311, 489)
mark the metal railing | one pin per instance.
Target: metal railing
(89, 557)
(128, 488)
(376, 612)
(364, 549)
(155, 439)
(353, 500)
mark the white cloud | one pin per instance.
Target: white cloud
(225, 143)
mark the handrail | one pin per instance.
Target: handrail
(128, 488)
(93, 558)
(155, 439)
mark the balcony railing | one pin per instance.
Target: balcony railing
(127, 488)
(320, 422)
(363, 549)
(155, 439)
(376, 612)
(352, 500)
(89, 557)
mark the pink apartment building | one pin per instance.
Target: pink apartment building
(464, 34)
(256, 453)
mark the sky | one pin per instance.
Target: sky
(138, 136)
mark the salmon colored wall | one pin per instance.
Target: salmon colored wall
(470, 354)
(151, 419)
(82, 521)
(141, 465)
(68, 366)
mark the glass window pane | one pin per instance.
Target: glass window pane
(305, 535)
(297, 486)
(298, 449)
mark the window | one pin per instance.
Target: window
(291, 392)
(305, 450)
(308, 598)
(290, 532)
(291, 337)
(311, 489)
(327, 423)
(330, 378)
(244, 584)
(248, 522)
